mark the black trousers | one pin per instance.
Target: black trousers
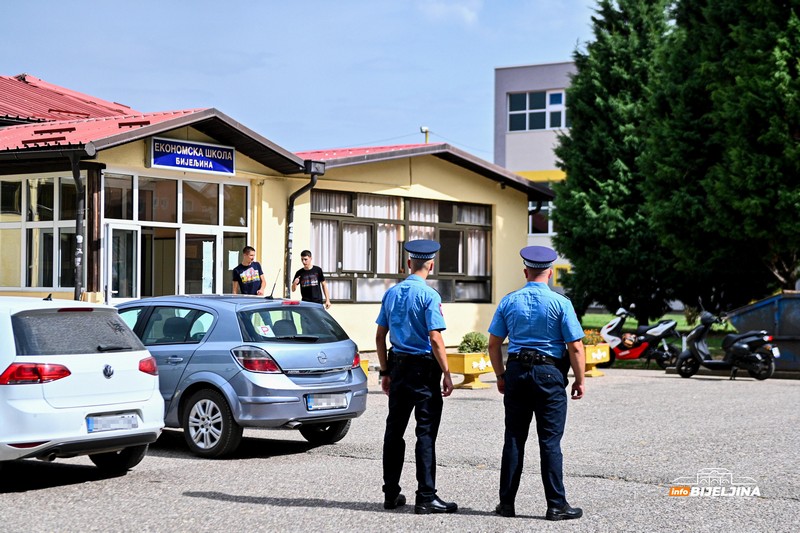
(415, 386)
(537, 390)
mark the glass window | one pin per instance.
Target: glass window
(325, 239)
(340, 289)
(451, 254)
(537, 121)
(10, 201)
(234, 206)
(232, 245)
(331, 202)
(390, 242)
(516, 102)
(372, 206)
(556, 98)
(40, 257)
(94, 331)
(40, 199)
(271, 323)
(372, 290)
(11, 245)
(443, 287)
(200, 203)
(445, 211)
(118, 191)
(516, 122)
(555, 119)
(176, 325)
(159, 253)
(356, 247)
(66, 257)
(68, 195)
(423, 210)
(201, 251)
(473, 214)
(540, 222)
(477, 252)
(537, 100)
(472, 290)
(130, 316)
(421, 232)
(158, 200)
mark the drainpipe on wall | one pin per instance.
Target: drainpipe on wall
(316, 169)
(80, 207)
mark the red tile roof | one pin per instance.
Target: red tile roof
(28, 98)
(339, 153)
(78, 132)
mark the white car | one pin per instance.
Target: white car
(75, 380)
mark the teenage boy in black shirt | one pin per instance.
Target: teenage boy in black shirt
(311, 281)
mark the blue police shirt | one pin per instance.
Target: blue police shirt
(410, 310)
(538, 318)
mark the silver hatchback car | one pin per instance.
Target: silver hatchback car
(229, 362)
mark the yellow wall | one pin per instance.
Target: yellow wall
(431, 178)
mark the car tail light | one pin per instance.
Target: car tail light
(767, 338)
(32, 373)
(256, 359)
(148, 366)
(24, 445)
(356, 361)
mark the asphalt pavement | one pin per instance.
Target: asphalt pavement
(635, 436)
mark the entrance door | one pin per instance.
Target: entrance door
(122, 267)
(200, 264)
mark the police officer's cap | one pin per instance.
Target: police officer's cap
(422, 249)
(539, 257)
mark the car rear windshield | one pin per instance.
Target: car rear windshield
(66, 332)
(289, 323)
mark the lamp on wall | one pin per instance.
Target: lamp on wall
(425, 130)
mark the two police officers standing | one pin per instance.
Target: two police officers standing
(415, 375)
(538, 323)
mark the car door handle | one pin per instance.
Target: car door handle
(174, 359)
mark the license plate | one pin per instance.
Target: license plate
(776, 352)
(111, 422)
(319, 402)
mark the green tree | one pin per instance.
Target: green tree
(721, 158)
(602, 228)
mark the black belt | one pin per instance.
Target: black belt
(402, 356)
(532, 357)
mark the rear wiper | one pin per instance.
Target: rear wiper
(304, 338)
(113, 348)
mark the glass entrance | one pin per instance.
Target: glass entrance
(200, 264)
(122, 276)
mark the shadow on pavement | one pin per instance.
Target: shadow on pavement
(318, 502)
(31, 474)
(172, 444)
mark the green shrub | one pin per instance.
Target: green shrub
(473, 342)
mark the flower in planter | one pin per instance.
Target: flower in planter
(473, 342)
(592, 336)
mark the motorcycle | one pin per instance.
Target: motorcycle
(751, 351)
(649, 342)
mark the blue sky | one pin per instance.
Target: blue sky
(306, 74)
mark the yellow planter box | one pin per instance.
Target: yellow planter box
(365, 366)
(471, 366)
(596, 353)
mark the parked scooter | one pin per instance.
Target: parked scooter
(649, 342)
(752, 351)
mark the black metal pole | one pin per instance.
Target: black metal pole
(80, 202)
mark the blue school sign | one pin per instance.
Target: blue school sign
(192, 156)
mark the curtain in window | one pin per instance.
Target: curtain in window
(338, 289)
(423, 211)
(330, 202)
(467, 290)
(356, 243)
(372, 290)
(325, 243)
(421, 232)
(473, 214)
(383, 207)
(388, 257)
(476, 252)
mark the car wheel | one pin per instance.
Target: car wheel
(688, 367)
(208, 425)
(121, 461)
(764, 371)
(325, 433)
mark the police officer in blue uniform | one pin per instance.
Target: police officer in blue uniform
(415, 375)
(539, 323)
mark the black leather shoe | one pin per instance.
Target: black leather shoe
(436, 505)
(565, 513)
(394, 503)
(505, 509)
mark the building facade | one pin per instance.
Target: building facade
(530, 111)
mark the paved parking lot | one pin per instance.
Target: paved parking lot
(634, 433)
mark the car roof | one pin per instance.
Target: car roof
(15, 304)
(220, 301)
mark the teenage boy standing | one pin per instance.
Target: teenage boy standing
(311, 281)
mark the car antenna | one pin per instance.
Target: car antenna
(270, 297)
(49, 298)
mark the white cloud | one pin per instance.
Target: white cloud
(465, 11)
